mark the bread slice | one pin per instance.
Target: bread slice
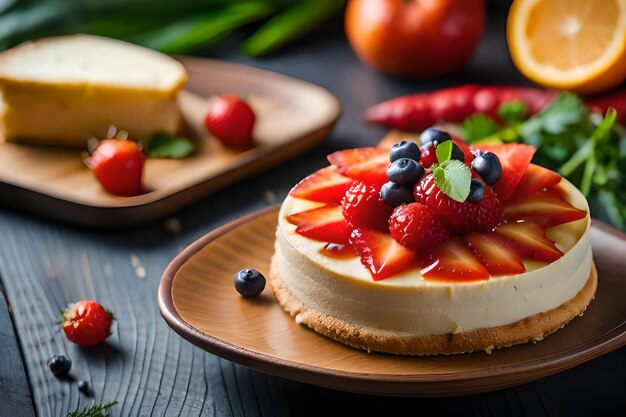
(63, 90)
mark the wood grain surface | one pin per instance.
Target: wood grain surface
(151, 370)
(292, 116)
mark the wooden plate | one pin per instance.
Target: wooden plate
(199, 302)
(292, 116)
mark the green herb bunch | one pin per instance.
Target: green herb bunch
(587, 148)
(177, 26)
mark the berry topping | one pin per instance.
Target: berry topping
(454, 260)
(457, 153)
(395, 194)
(487, 165)
(365, 164)
(231, 121)
(362, 206)
(416, 227)
(249, 282)
(60, 365)
(459, 217)
(515, 159)
(535, 179)
(325, 224)
(434, 136)
(380, 253)
(530, 240)
(86, 323)
(495, 252)
(325, 185)
(477, 190)
(429, 156)
(543, 208)
(404, 149)
(405, 171)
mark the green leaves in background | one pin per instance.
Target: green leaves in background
(172, 27)
(166, 146)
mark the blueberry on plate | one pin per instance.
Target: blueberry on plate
(60, 365)
(404, 149)
(405, 171)
(249, 282)
(434, 136)
(395, 194)
(477, 190)
(488, 166)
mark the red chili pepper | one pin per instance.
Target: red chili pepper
(420, 111)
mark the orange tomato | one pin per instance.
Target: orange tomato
(415, 37)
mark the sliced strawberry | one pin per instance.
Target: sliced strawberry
(380, 253)
(543, 208)
(530, 241)
(495, 253)
(416, 226)
(365, 164)
(515, 159)
(326, 185)
(325, 223)
(362, 206)
(454, 261)
(535, 179)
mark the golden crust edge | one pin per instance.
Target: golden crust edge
(529, 329)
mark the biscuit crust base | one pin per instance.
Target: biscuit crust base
(529, 329)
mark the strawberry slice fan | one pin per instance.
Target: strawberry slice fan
(461, 241)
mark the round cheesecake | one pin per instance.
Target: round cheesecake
(409, 314)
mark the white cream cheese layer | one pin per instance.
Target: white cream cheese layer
(409, 304)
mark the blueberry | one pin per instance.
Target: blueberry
(477, 190)
(487, 165)
(83, 386)
(60, 365)
(434, 136)
(395, 194)
(249, 282)
(405, 171)
(404, 149)
(457, 153)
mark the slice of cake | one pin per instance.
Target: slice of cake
(63, 90)
(449, 249)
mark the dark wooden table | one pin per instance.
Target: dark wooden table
(44, 265)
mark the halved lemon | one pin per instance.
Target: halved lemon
(576, 45)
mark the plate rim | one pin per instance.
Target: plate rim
(524, 371)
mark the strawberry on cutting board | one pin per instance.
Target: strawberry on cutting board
(325, 223)
(381, 255)
(86, 323)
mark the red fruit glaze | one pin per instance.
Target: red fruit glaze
(495, 252)
(459, 217)
(454, 261)
(231, 120)
(324, 223)
(326, 185)
(86, 323)
(416, 227)
(363, 207)
(535, 179)
(118, 166)
(380, 253)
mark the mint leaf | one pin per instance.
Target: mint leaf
(564, 111)
(444, 151)
(453, 178)
(513, 111)
(162, 145)
(478, 126)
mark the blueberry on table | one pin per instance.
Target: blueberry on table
(60, 365)
(83, 386)
(434, 136)
(405, 171)
(395, 194)
(488, 166)
(404, 149)
(477, 190)
(249, 282)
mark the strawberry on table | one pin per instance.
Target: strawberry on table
(325, 223)
(86, 323)
(381, 255)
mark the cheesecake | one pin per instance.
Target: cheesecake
(64, 90)
(519, 268)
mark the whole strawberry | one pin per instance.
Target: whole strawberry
(459, 217)
(416, 227)
(231, 121)
(362, 206)
(86, 323)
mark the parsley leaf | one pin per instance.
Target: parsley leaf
(513, 111)
(453, 178)
(478, 126)
(162, 145)
(94, 410)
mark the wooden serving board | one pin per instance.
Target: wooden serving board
(292, 116)
(198, 300)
